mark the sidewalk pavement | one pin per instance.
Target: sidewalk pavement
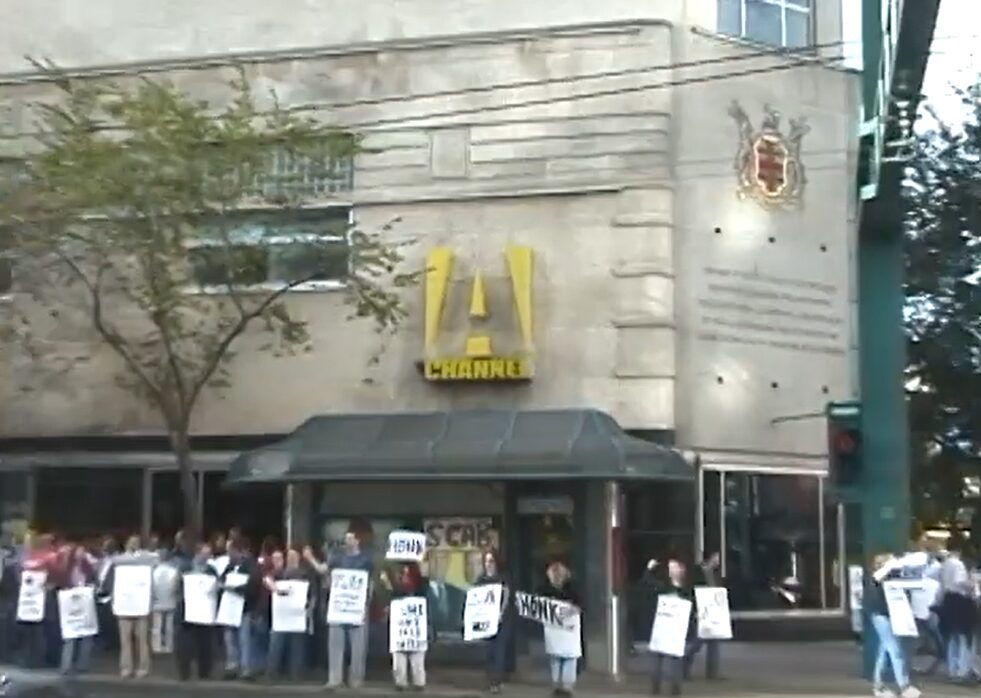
(801, 670)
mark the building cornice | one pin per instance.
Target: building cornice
(231, 59)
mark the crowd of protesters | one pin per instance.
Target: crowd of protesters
(248, 652)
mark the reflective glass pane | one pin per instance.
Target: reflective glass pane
(772, 526)
(798, 29)
(763, 22)
(730, 17)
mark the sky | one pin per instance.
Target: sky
(956, 53)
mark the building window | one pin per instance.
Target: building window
(265, 251)
(15, 502)
(771, 526)
(784, 23)
(297, 176)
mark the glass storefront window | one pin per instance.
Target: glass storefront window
(14, 505)
(772, 534)
(455, 546)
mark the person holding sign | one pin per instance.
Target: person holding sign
(709, 574)
(292, 600)
(352, 629)
(32, 599)
(409, 580)
(874, 600)
(679, 632)
(563, 661)
(499, 655)
(76, 605)
(193, 643)
(132, 596)
(240, 588)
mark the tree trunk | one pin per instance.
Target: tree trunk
(181, 445)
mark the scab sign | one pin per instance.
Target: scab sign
(408, 546)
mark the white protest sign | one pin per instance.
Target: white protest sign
(408, 625)
(561, 620)
(900, 612)
(670, 630)
(856, 591)
(219, 564)
(30, 601)
(231, 608)
(714, 621)
(565, 640)
(482, 612)
(406, 546)
(132, 591)
(924, 598)
(200, 599)
(289, 606)
(348, 597)
(76, 611)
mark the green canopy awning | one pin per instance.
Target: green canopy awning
(460, 445)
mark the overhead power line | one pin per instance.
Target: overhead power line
(469, 111)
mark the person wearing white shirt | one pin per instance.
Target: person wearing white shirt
(957, 614)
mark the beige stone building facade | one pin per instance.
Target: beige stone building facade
(681, 175)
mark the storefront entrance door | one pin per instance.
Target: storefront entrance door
(546, 533)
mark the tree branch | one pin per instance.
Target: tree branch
(240, 325)
(111, 337)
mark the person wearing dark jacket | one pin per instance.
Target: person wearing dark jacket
(241, 578)
(193, 642)
(889, 646)
(407, 581)
(676, 585)
(564, 667)
(499, 657)
(707, 574)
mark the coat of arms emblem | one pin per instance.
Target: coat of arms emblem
(768, 163)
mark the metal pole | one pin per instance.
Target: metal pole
(288, 514)
(613, 506)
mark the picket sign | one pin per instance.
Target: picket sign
(408, 625)
(231, 607)
(76, 612)
(289, 606)
(714, 620)
(561, 620)
(900, 612)
(482, 612)
(406, 546)
(30, 600)
(669, 632)
(348, 597)
(200, 599)
(132, 591)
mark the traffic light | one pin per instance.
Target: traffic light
(845, 443)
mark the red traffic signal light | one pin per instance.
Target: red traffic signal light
(845, 443)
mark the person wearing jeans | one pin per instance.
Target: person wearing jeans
(677, 585)
(282, 645)
(241, 577)
(890, 650)
(498, 647)
(79, 573)
(563, 668)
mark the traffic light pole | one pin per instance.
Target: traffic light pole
(896, 39)
(884, 479)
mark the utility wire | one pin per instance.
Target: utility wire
(470, 111)
(732, 58)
